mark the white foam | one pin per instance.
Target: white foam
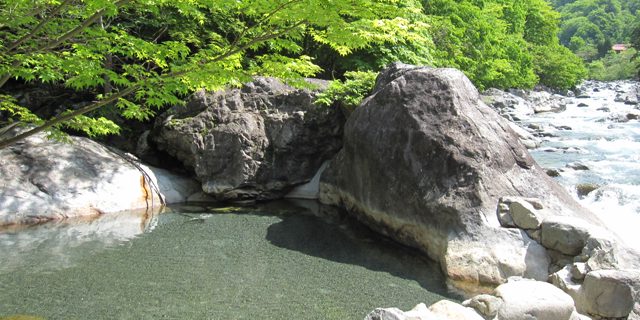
(618, 206)
(610, 149)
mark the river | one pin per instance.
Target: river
(603, 135)
(275, 261)
(286, 260)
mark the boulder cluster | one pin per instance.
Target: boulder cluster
(424, 160)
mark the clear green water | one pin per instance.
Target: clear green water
(270, 262)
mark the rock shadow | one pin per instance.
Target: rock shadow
(344, 240)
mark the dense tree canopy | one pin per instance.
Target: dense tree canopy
(590, 28)
(498, 43)
(137, 56)
(141, 55)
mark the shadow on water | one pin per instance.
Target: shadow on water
(202, 261)
(341, 239)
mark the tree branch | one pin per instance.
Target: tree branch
(68, 116)
(263, 20)
(40, 25)
(91, 20)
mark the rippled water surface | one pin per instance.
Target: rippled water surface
(274, 262)
(602, 138)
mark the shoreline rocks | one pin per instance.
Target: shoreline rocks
(252, 143)
(429, 171)
(424, 162)
(47, 180)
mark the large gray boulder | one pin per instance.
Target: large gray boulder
(425, 162)
(251, 143)
(611, 293)
(565, 234)
(46, 180)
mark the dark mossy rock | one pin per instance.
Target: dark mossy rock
(584, 189)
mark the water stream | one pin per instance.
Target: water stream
(595, 131)
(279, 261)
(285, 260)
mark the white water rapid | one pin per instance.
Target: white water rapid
(596, 141)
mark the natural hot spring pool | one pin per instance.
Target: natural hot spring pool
(277, 261)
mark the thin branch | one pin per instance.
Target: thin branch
(75, 31)
(7, 76)
(160, 34)
(263, 20)
(8, 127)
(68, 116)
(35, 30)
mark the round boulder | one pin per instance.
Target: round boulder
(564, 234)
(611, 293)
(533, 300)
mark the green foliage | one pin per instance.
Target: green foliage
(496, 42)
(557, 67)
(143, 55)
(9, 106)
(590, 27)
(350, 92)
(415, 48)
(614, 66)
(635, 43)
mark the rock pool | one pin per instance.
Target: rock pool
(276, 261)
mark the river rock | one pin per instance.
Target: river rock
(577, 166)
(529, 140)
(48, 180)
(506, 104)
(445, 309)
(608, 294)
(441, 310)
(564, 234)
(583, 189)
(524, 215)
(553, 173)
(533, 300)
(425, 162)
(629, 97)
(612, 293)
(251, 143)
(543, 101)
(578, 271)
(419, 312)
(485, 304)
(512, 108)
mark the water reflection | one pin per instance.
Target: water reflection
(59, 245)
(274, 261)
